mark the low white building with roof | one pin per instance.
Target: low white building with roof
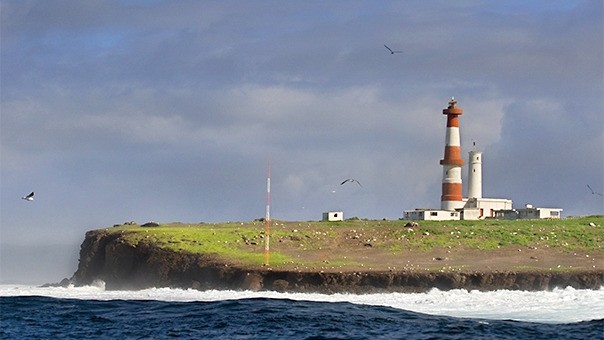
(333, 216)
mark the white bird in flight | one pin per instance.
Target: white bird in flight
(391, 51)
(29, 197)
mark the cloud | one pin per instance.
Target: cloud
(117, 111)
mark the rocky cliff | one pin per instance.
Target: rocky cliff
(120, 265)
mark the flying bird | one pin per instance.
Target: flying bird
(391, 51)
(29, 197)
(351, 180)
(593, 192)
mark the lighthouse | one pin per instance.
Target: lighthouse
(475, 175)
(473, 207)
(451, 198)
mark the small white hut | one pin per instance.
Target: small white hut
(333, 216)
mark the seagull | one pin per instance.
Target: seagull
(352, 180)
(29, 197)
(593, 192)
(391, 51)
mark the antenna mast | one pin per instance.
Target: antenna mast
(267, 219)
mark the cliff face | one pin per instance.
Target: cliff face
(106, 257)
(123, 266)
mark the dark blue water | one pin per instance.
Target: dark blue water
(259, 318)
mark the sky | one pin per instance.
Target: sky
(171, 111)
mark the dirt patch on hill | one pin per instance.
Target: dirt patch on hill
(350, 250)
(350, 258)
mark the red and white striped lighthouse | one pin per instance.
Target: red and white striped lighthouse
(451, 198)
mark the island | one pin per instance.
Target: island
(354, 256)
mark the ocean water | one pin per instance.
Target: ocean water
(28, 312)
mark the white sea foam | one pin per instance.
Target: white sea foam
(557, 306)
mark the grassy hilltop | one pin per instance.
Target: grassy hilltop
(383, 245)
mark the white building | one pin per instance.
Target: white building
(431, 214)
(333, 216)
(486, 207)
(529, 212)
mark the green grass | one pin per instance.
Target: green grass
(570, 234)
(225, 239)
(233, 240)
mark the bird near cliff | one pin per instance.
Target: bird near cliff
(351, 180)
(593, 192)
(29, 197)
(391, 51)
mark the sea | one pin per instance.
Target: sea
(91, 312)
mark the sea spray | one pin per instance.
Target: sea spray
(556, 306)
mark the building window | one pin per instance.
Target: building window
(554, 213)
(433, 213)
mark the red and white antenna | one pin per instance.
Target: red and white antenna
(267, 219)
